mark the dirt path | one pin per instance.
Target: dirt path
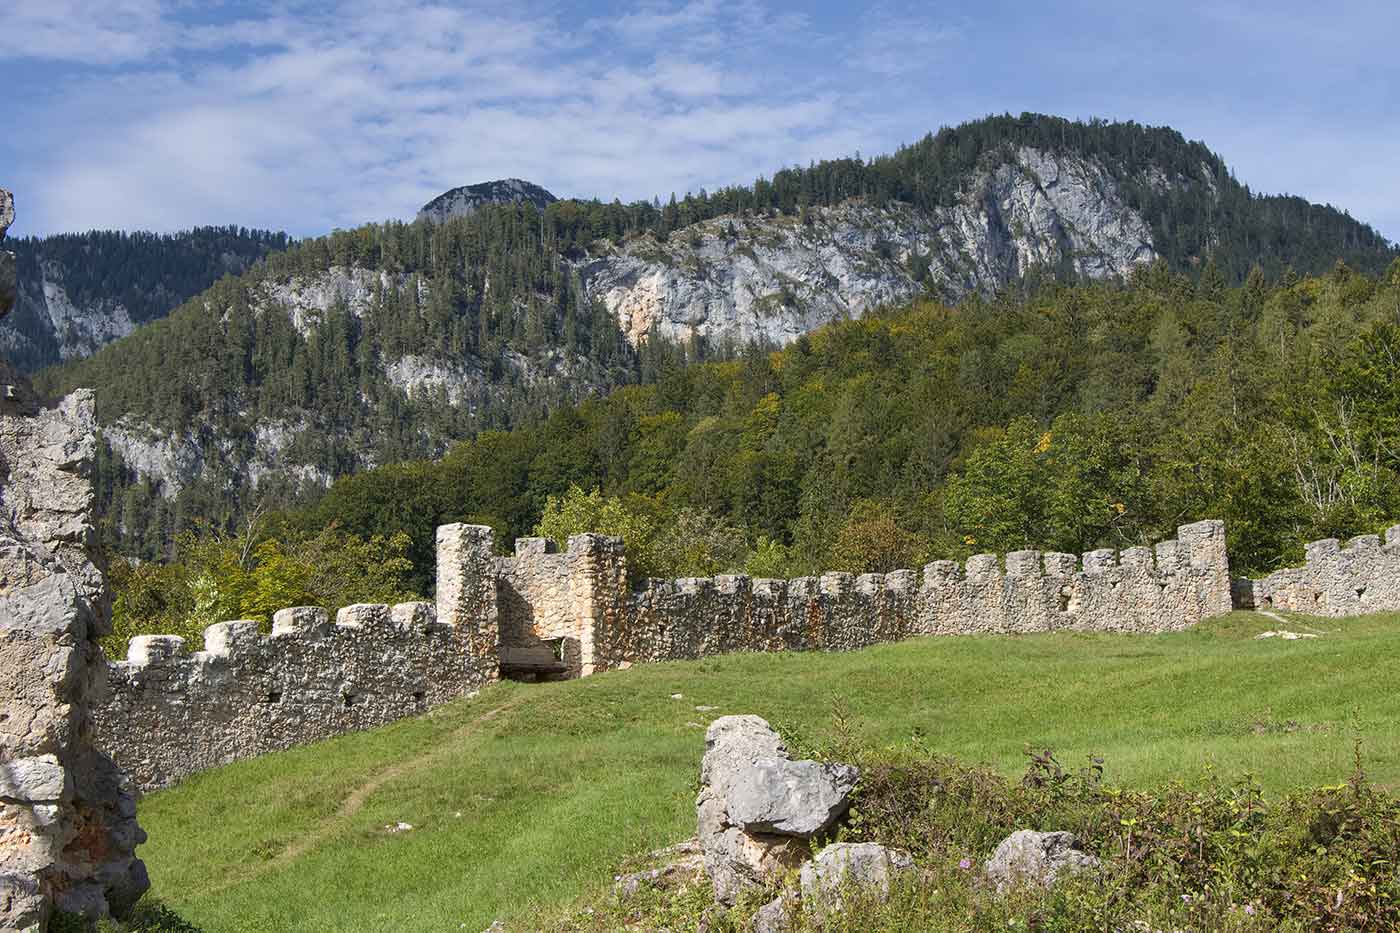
(356, 800)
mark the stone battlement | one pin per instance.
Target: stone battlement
(1336, 579)
(543, 613)
(171, 712)
(1173, 586)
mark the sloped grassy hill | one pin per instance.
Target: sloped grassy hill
(530, 796)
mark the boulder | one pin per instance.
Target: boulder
(865, 865)
(757, 807)
(776, 916)
(791, 798)
(1027, 857)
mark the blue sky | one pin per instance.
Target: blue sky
(162, 114)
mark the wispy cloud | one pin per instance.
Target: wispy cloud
(315, 118)
(311, 114)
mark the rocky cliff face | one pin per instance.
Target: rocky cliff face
(56, 327)
(460, 202)
(776, 278)
(79, 292)
(765, 278)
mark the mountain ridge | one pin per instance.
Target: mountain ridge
(392, 341)
(463, 201)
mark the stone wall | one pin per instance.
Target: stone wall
(1171, 587)
(545, 614)
(1336, 580)
(68, 827)
(170, 712)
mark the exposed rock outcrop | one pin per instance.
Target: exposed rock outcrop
(68, 827)
(757, 807)
(460, 202)
(78, 292)
(1027, 857)
(775, 278)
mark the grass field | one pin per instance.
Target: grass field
(529, 796)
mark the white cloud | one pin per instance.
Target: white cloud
(316, 119)
(86, 31)
(305, 116)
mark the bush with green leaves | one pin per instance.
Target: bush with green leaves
(1211, 855)
(218, 577)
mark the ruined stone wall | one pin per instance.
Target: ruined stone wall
(170, 712)
(546, 613)
(1170, 587)
(68, 827)
(551, 603)
(1336, 580)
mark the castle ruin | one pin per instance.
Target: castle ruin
(68, 828)
(546, 614)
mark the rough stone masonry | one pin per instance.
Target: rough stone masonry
(542, 613)
(68, 827)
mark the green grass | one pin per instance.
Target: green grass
(528, 796)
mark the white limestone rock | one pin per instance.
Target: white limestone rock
(775, 278)
(865, 865)
(33, 780)
(757, 808)
(790, 798)
(1027, 857)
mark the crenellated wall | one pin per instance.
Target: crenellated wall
(170, 712)
(542, 613)
(1142, 590)
(1336, 580)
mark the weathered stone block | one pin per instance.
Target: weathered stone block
(1023, 564)
(33, 780)
(300, 620)
(224, 639)
(1099, 560)
(151, 650)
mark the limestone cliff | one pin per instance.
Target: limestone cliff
(79, 292)
(775, 278)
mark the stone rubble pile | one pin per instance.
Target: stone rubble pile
(757, 808)
(758, 812)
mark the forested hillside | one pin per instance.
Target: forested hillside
(363, 347)
(394, 341)
(1067, 419)
(80, 291)
(1073, 418)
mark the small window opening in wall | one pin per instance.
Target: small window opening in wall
(350, 699)
(556, 647)
(1361, 592)
(274, 696)
(419, 696)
